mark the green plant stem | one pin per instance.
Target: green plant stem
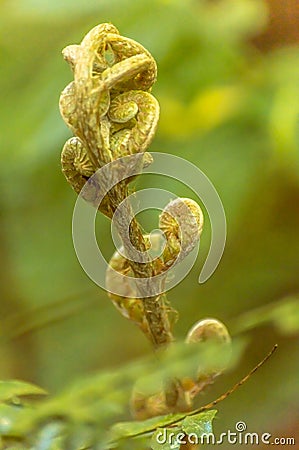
(154, 305)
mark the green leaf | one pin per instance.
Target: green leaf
(131, 429)
(49, 438)
(167, 439)
(283, 314)
(199, 424)
(14, 388)
(80, 436)
(9, 416)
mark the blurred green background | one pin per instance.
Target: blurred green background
(229, 94)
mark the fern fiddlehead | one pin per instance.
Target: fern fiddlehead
(110, 110)
(112, 113)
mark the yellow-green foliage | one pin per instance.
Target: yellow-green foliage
(226, 107)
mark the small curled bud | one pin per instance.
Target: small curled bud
(76, 165)
(214, 332)
(177, 211)
(139, 111)
(163, 398)
(208, 329)
(144, 406)
(67, 105)
(127, 304)
(182, 223)
(169, 396)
